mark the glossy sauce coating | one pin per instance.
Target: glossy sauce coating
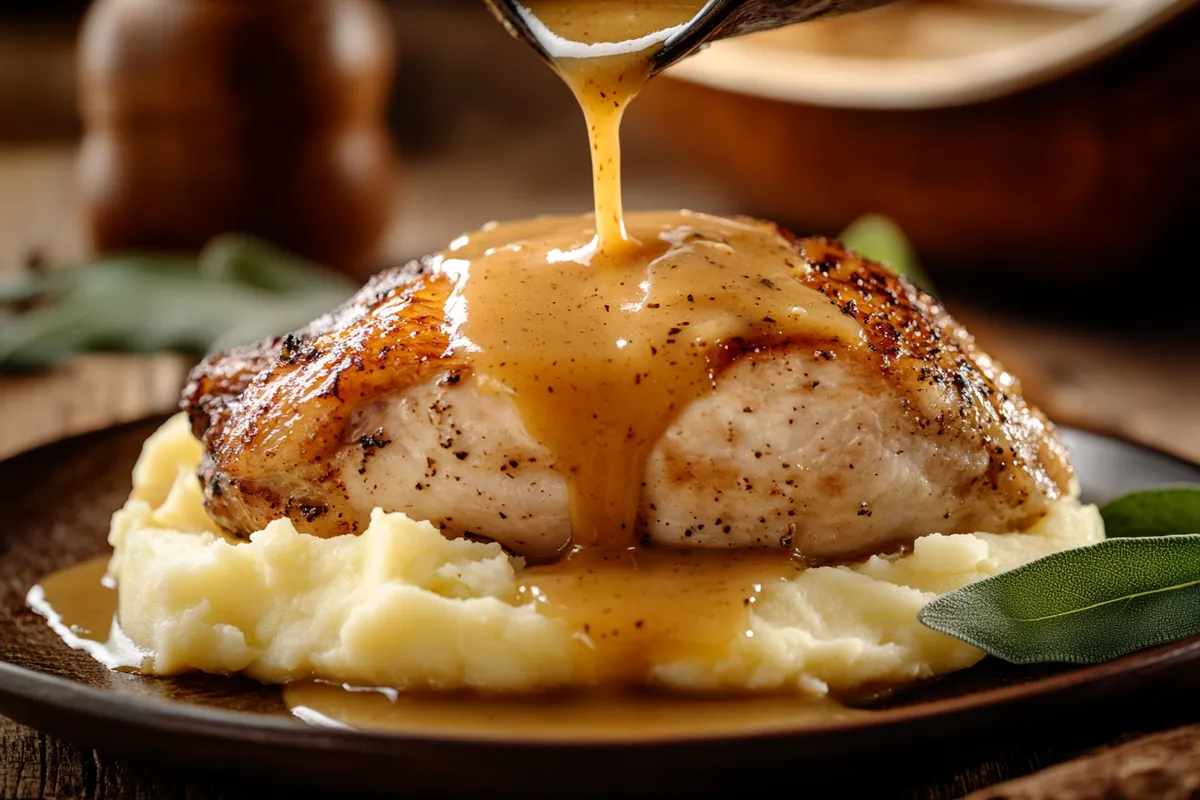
(81, 608)
(603, 332)
(600, 353)
(630, 609)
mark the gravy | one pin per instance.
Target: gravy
(629, 609)
(80, 605)
(578, 717)
(601, 329)
(601, 354)
(604, 49)
(603, 332)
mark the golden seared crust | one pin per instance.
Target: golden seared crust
(950, 386)
(273, 416)
(219, 380)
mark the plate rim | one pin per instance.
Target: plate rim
(154, 715)
(71, 699)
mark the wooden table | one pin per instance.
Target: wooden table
(1141, 383)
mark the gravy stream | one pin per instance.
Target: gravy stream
(602, 329)
(603, 50)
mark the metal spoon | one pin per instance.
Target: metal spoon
(719, 19)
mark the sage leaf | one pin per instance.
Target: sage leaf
(1082, 606)
(1166, 511)
(879, 238)
(238, 290)
(249, 261)
(27, 287)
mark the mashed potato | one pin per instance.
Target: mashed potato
(401, 605)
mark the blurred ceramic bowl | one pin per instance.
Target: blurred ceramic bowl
(1063, 139)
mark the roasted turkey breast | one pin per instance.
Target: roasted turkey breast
(833, 451)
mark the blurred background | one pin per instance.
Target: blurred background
(1040, 155)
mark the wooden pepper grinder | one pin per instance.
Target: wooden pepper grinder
(259, 116)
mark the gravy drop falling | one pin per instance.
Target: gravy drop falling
(602, 339)
(603, 342)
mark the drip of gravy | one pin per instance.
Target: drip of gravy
(602, 330)
(629, 609)
(602, 333)
(80, 605)
(604, 51)
(613, 715)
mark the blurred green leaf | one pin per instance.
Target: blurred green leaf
(242, 259)
(27, 287)
(240, 289)
(1165, 511)
(880, 239)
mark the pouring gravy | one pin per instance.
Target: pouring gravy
(604, 50)
(602, 329)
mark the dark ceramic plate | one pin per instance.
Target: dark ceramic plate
(57, 501)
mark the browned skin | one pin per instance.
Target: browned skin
(914, 339)
(274, 417)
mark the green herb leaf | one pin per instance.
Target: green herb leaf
(880, 239)
(1167, 511)
(239, 290)
(27, 287)
(246, 260)
(1081, 606)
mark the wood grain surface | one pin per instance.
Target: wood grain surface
(1164, 765)
(1142, 384)
(34, 766)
